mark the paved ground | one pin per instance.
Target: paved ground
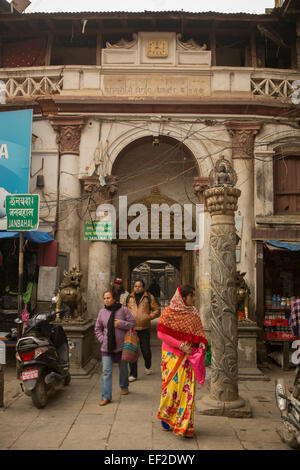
(73, 419)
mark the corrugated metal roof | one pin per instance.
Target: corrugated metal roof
(145, 12)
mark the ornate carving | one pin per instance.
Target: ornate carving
(123, 44)
(155, 197)
(222, 200)
(199, 186)
(69, 293)
(69, 129)
(222, 174)
(224, 337)
(157, 48)
(99, 194)
(190, 45)
(242, 135)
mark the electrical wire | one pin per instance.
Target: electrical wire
(162, 162)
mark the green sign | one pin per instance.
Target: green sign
(98, 230)
(22, 212)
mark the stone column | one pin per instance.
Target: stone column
(203, 282)
(68, 223)
(221, 202)
(243, 136)
(99, 251)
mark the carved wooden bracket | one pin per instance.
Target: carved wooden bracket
(243, 135)
(69, 129)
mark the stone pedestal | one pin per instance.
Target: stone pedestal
(247, 357)
(81, 338)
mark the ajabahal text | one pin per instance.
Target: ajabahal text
(138, 228)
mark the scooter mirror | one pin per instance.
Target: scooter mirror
(18, 321)
(54, 300)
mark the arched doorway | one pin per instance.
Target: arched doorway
(165, 273)
(155, 171)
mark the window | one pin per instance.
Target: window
(287, 184)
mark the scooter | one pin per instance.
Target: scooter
(43, 357)
(288, 403)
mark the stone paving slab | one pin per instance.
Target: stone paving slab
(73, 420)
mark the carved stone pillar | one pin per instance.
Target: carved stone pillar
(203, 282)
(221, 202)
(243, 135)
(69, 134)
(99, 266)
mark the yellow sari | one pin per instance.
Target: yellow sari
(178, 391)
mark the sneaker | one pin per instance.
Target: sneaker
(148, 371)
(131, 378)
(124, 391)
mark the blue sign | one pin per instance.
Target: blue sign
(15, 151)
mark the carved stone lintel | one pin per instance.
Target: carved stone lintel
(243, 135)
(200, 185)
(69, 129)
(100, 194)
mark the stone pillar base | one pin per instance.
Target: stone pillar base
(239, 408)
(80, 339)
(247, 355)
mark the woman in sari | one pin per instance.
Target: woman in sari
(180, 329)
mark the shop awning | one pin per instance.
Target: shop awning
(33, 236)
(283, 245)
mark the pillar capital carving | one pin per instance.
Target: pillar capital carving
(222, 200)
(99, 194)
(200, 184)
(69, 129)
(242, 135)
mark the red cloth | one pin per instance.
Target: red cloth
(28, 53)
(182, 321)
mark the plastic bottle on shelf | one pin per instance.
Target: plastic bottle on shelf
(288, 303)
(283, 302)
(274, 300)
(278, 301)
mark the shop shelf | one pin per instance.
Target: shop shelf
(275, 322)
(280, 336)
(283, 309)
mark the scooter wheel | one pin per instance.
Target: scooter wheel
(39, 394)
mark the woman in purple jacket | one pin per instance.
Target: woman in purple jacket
(111, 326)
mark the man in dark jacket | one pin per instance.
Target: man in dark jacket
(154, 288)
(144, 308)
